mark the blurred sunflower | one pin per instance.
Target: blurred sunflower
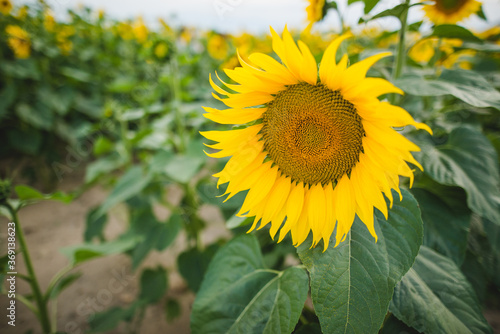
(22, 13)
(63, 39)
(315, 10)
(317, 152)
(5, 7)
(217, 47)
(450, 11)
(140, 31)
(49, 22)
(19, 41)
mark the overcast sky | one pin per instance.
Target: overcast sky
(250, 15)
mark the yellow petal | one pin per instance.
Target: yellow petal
(309, 69)
(344, 205)
(369, 88)
(357, 72)
(294, 205)
(328, 62)
(271, 66)
(259, 190)
(317, 211)
(234, 116)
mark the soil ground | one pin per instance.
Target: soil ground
(108, 281)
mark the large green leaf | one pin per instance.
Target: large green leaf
(445, 229)
(454, 31)
(435, 297)
(467, 160)
(468, 86)
(238, 295)
(352, 285)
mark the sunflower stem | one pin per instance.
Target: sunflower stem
(401, 55)
(43, 315)
(176, 92)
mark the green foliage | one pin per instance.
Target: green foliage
(454, 31)
(239, 295)
(445, 229)
(467, 86)
(435, 297)
(362, 273)
(467, 160)
(153, 284)
(193, 264)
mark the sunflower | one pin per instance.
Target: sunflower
(450, 11)
(5, 7)
(316, 152)
(315, 10)
(140, 31)
(19, 41)
(217, 46)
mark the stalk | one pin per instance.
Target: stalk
(401, 55)
(43, 315)
(179, 121)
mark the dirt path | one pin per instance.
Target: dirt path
(105, 282)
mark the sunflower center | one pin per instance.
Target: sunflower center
(312, 133)
(450, 6)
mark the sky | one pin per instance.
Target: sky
(254, 16)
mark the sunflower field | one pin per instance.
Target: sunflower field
(162, 178)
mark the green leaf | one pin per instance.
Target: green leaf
(40, 117)
(369, 4)
(21, 68)
(168, 232)
(102, 166)
(172, 309)
(102, 146)
(454, 31)
(81, 253)
(7, 97)
(355, 281)
(238, 295)
(26, 193)
(467, 160)
(94, 225)
(393, 325)
(311, 328)
(396, 11)
(131, 183)
(28, 142)
(445, 229)
(466, 85)
(123, 84)
(435, 297)
(76, 74)
(63, 284)
(109, 319)
(193, 264)
(480, 13)
(235, 221)
(154, 284)
(132, 115)
(182, 168)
